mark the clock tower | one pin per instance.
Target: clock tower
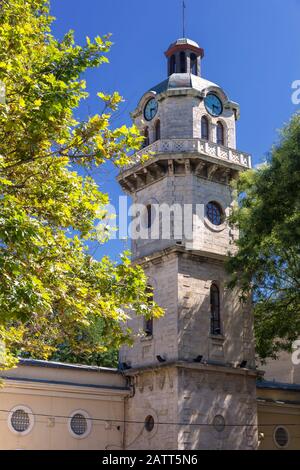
(192, 372)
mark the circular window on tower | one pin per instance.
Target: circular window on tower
(219, 423)
(214, 213)
(80, 424)
(21, 420)
(149, 423)
(281, 437)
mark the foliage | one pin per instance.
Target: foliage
(267, 262)
(52, 293)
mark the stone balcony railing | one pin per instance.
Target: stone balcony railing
(192, 146)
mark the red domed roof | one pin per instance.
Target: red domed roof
(184, 44)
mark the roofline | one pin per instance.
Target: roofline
(30, 380)
(64, 365)
(266, 384)
(184, 47)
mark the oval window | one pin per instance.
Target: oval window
(219, 423)
(78, 424)
(149, 423)
(281, 437)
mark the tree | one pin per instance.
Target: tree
(53, 295)
(267, 261)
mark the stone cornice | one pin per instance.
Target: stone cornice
(272, 405)
(205, 367)
(178, 249)
(180, 157)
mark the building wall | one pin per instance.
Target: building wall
(180, 112)
(162, 275)
(155, 394)
(183, 398)
(52, 395)
(236, 343)
(277, 407)
(187, 190)
(184, 401)
(206, 392)
(282, 370)
(215, 239)
(177, 113)
(163, 191)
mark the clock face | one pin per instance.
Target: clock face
(213, 104)
(150, 109)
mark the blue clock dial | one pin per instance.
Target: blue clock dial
(213, 104)
(150, 109)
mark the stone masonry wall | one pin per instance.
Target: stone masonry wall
(180, 118)
(195, 276)
(203, 395)
(162, 275)
(192, 190)
(207, 237)
(155, 394)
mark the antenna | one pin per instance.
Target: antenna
(183, 18)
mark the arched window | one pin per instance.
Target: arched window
(148, 322)
(149, 216)
(215, 320)
(182, 62)
(157, 130)
(146, 137)
(172, 64)
(220, 134)
(204, 128)
(194, 65)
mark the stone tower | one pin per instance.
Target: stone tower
(193, 371)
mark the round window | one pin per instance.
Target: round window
(219, 423)
(149, 423)
(20, 420)
(214, 213)
(281, 437)
(80, 424)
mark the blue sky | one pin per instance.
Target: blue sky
(252, 50)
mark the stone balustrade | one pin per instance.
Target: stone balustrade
(200, 146)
